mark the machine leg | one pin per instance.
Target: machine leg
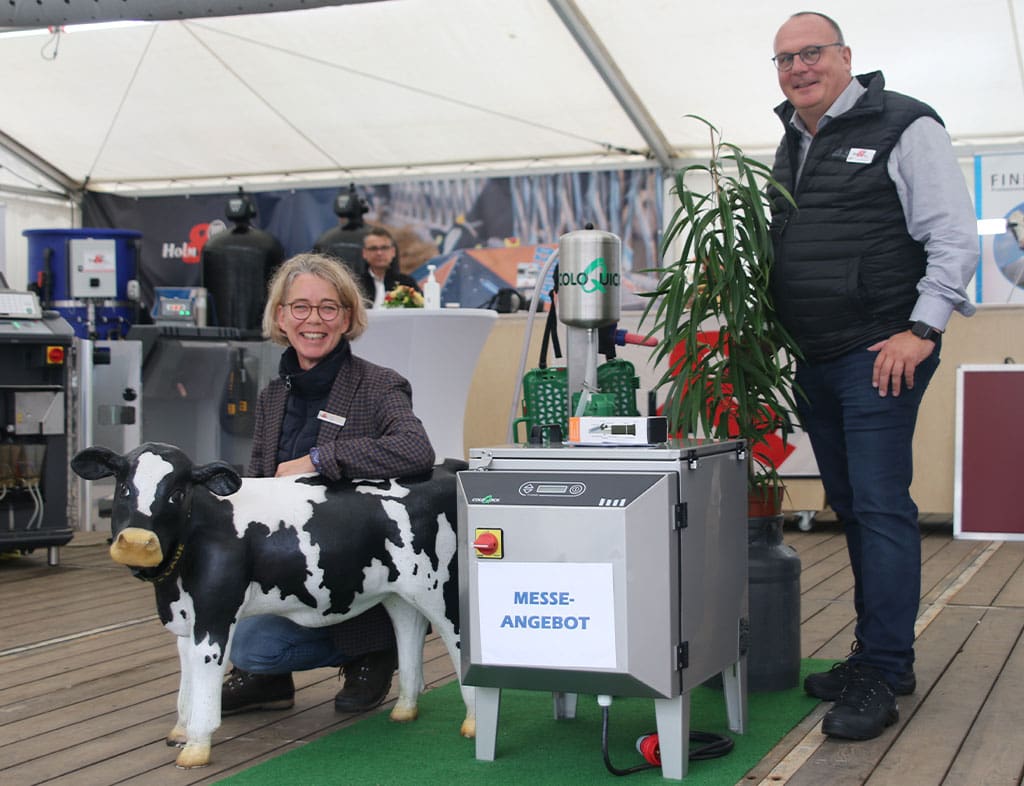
(806, 520)
(53, 556)
(565, 705)
(673, 716)
(734, 682)
(488, 702)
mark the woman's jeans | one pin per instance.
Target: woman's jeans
(267, 644)
(863, 444)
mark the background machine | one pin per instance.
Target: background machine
(616, 570)
(88, 275)
(35, 394)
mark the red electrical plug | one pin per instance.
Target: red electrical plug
(649, 749)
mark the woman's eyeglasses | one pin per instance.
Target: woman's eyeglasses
(302, 310)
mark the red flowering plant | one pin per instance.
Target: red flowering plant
(403, 296)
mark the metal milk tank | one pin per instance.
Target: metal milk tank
(589, 278)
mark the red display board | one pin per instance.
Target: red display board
(988, 503)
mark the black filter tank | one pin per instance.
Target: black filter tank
(773, 574)
(345, 244)
(236, 268)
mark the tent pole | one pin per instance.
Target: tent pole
(601, 59)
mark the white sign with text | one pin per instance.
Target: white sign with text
(547, 614)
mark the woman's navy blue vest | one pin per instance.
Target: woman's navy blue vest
(846, 270)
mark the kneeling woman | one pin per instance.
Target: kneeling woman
(367, 430)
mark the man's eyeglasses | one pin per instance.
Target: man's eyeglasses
(376, 249)
(301, 310)
(809, 55)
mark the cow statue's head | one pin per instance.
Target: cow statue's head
(152, 498)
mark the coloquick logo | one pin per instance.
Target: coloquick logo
(595, 278)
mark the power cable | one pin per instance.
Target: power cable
(714, 746)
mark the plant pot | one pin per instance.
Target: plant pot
(764, 502)
(773, 579)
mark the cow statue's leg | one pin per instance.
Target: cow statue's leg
(428, 609)
(445, 629)
(410, 630)
(179, 736)
(202, 702)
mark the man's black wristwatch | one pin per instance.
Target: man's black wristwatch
(924, 330)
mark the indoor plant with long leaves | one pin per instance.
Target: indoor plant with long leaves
(730, 362)
(730, 373)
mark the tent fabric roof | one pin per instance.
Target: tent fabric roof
(413, 88)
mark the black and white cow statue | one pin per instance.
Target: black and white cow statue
(219, 547)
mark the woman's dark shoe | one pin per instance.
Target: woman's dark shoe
(367, 681)
(244, 691)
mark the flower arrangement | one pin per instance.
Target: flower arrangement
(403, 296)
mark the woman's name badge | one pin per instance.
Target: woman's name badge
(326, 416)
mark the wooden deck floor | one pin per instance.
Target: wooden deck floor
(88, 676)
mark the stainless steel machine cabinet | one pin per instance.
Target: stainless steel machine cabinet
(618, 571)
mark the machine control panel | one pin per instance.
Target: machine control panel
(92, 264)
(601, 490)
(545, 488)
(180, 306)
(15, 304)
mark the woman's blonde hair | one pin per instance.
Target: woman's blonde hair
(331, 271)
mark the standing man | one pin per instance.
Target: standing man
(379, 278)
(870, 265)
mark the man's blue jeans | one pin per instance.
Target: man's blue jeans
(267, 644)
(863, 444)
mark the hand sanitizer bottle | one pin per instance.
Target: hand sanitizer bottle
(431, 290)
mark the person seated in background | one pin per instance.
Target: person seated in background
(335, 414)
(379, 278)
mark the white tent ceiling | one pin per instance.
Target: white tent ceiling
(398, 88)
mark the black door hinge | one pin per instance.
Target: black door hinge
(682, 518)
(683, 655)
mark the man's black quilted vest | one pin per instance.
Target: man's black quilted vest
(846, 270)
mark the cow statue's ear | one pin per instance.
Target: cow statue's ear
(97, 462)
(219, 477)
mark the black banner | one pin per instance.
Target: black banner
(429, 218)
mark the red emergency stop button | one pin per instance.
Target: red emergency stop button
(488, 543)
(54, 356)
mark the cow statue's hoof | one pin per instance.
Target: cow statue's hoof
(404, 714)
(194, 754)
(177, 738)
(468, 729)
